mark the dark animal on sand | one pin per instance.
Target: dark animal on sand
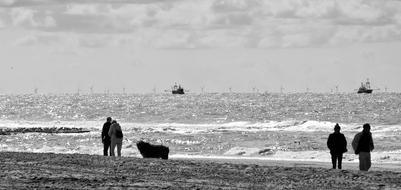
(152, 151)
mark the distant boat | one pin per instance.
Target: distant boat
(365, 88)
(177, 89)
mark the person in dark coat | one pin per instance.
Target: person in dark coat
(337, 145)
(364, 145)
(105, 136)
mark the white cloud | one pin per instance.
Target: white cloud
(70, 51)
(233, 20)
(23, 16)
(30, 18)
(49, 21)
(212, 23)
(234, 5)
(7, 2)
(362, 34)
(25, 3)
(35, 39)
(2, 24)
(27, 40)
(318, 9)
(94, 41)
(84, 9)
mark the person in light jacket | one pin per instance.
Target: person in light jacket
(116, 136)
(363, 145)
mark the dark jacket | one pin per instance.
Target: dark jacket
(105, 131)
(337, 143)
(365, 143)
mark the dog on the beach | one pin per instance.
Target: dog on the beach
(148, 150)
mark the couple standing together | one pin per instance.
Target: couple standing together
(112, 137)
(362, 144)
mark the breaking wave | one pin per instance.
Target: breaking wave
(188, 128)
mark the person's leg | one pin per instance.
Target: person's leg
(340, 159)
(106, 147)
(113, 146)
(368, 161)
(333, 160)
(110, 148)
(119, 146)
(363, 164)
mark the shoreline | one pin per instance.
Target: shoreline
(262, 161)
(395, 166)
(21, 170)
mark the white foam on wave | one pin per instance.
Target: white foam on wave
(90, 142)
(253, 151)
(244, 126)
(11, 124)
(189, 128)
(127, 150)
(317, 156)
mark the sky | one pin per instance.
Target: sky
(60, 46)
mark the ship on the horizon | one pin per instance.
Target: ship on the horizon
(177, 89)
(365, 88)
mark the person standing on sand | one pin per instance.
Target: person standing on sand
(105, 136)
(363, 145)
(116, 135)
(337, 145)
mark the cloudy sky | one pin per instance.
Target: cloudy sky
(62, 45)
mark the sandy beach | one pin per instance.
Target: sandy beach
(81, 171)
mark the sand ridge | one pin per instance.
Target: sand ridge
(80, 171)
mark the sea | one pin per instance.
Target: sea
(262, 126)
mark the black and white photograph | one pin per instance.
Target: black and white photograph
(200, 94)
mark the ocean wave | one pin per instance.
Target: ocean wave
(194, 128)
(379, 108)
(247, 151)
(244, 126)
(275, 140)
(42, 130)
(319, 156)
(16, 124)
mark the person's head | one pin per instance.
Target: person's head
(114, 121)
(108, 119)
(366, 127)
(337, 128)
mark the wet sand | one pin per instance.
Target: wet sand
(395, 167)
(80, 171)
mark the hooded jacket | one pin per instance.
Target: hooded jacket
(365, 143)
(112, 133)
